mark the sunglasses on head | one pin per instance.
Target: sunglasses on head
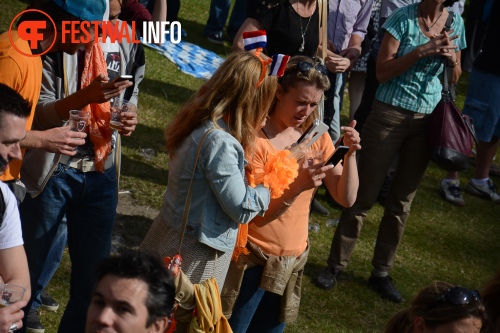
(455, 296)
(305, 66)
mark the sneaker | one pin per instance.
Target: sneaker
(33, 324)
(215, 39)
(318, 208)
(328, 278)
(450, 191)
(386, 288)
(487, 191)
(48, 303)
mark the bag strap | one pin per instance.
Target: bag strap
(185, 214)
(323, 31)
(447, 27)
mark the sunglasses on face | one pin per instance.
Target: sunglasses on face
(305, 66)
(455, 296)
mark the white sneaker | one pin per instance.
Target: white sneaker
(450, 190)
(487, 191)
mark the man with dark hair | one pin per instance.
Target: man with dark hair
(133, 293)
(13, 264)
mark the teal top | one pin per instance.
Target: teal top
(418, 89)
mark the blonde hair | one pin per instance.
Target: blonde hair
(231, 93)
(403, 320)
(293, 75)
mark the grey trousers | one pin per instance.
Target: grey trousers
(388, 131)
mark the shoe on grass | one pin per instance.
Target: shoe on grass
(48, 303)
(327, 278)
(451, 192)
(386, 288)
(33, 324)
(215, 39)
(487, 191)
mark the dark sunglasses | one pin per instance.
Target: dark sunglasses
(305, 66)
(455, 296)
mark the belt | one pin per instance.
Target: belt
(83, 164)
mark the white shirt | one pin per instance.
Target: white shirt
(10, 229)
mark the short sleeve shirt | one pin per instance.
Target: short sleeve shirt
(10, 227)
(418, 89)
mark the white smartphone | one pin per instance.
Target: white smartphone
(122, 78)
(316, 130)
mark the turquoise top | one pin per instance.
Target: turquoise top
(418, 89)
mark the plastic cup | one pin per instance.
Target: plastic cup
(78, 120)
(119, 105)
(10, 293)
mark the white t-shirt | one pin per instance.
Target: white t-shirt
(10, 229)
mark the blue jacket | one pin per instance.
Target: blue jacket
(220, 198)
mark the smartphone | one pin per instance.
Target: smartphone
(316, 129)
(338, 155)
(122, 78)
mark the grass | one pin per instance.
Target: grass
(441, 242)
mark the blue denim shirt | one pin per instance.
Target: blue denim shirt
(220, 198)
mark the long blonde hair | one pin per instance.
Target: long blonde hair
(231, 93)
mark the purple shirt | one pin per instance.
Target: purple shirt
(345, 18)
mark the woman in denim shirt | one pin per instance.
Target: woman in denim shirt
(235, 101)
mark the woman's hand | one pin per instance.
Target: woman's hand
(351, 137)
(12, 314)
(441, 45)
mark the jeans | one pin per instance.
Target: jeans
(52, 262)
(219, 11)
(256, 310)
(333, 103)
(388, 132)
(88, 200)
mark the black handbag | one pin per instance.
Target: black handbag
(451, 134)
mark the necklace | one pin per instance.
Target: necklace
(427, 27)
(303, 32)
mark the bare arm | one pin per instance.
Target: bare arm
(457, 69)
(342, 182)
(250, 24)
(14, 268)
(159, 11)
(390, 66)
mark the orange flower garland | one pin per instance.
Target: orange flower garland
(280, 171)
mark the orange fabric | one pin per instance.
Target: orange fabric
(99, 130)
(287, 235)
(23, 74)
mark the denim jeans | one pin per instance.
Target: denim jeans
(219, 11)
(256, 310)
(88, 200)
(52, 262)
(333, 103)
(387, 133)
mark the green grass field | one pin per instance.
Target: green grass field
(441, 242)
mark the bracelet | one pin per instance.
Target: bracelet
(454, 65)
(286, 203)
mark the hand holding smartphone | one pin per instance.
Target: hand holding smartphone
(122, 78)
(338, 155)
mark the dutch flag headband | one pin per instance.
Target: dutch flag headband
(257, 40)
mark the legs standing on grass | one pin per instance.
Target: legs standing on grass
(89, 202)
(256, 310)
(388, 132)
(333, 103)
(219, 11)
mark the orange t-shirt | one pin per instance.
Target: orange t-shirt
(287, 235)
(23, 74)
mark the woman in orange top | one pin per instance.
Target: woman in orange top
(278, 241)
